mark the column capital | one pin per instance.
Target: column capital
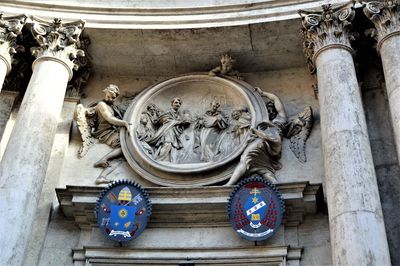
(385, 16)
(10, 28)
(326, 28)
(58, 42)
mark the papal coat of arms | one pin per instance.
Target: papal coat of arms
(255, 209)
(123, 211)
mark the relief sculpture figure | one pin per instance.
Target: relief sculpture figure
(147, 126)
(212, 126)
(102, 122)
(166, 140)
(264, 147)
(241, 121)
(226, 68)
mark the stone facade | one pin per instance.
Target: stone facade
(340, 201)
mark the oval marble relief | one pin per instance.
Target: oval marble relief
(187, 130)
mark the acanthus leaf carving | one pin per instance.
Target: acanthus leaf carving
(322, 29)
(58, 40)
(82, 75)
(10, 28)
(386, 19)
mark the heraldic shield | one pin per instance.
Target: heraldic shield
(255, 209)
(123, 210)
(122, 218)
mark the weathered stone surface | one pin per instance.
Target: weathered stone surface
(174, 52)
(348, 163)
(385, 159)
(47, 202)
(25, 160)
(62, 236)
(391, 66)
(3, 72)
(7, 101)
(313, 236)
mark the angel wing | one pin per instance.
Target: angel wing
(84, 127)
(299, 130)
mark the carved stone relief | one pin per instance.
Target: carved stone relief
(102, 122)
(178, 137)
(191, 130)
(194, 130)
(226, 68)
(188, 129)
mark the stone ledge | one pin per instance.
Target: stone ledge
(276, 255)
(189, 207)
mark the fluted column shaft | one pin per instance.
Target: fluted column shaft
(356, 224)
(26, 157)
(386, 18)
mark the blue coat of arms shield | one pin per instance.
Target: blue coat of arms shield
(122, 218)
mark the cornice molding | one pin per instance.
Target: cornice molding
(186, 15)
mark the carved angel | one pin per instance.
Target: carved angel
(226, 68)
(102, 122)
(298, 131)
(264, 147)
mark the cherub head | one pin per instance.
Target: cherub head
(111, 93)
(227, 62)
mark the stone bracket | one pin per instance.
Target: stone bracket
(189, 207)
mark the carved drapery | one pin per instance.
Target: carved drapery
(58, 41)
(10, 28)
(324, 29)
(385, 16)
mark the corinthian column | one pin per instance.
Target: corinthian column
(355, 217)
(10, 28)
(385, 16)
(26, 157)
